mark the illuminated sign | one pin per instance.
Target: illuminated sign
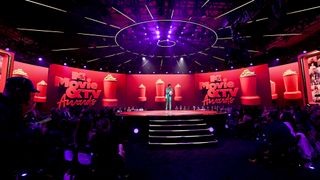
(80, 90)
(218, 91)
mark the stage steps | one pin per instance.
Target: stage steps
(180, 132)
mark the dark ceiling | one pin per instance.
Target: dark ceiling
(147, 36)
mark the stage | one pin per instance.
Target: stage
(175, 127)
(166, 113)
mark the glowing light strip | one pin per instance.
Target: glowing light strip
(113, 55)
(257, 20)
(303, 10)
(127, 61)
(123, 14)
(96, 59)
(39, 30)
(177, 130)
(174, 125)
(219, 47)
(66, 49)
(198, 63)
(184, 143)
(205, 3)
(224, 38)
(172, 13)
(221, 59)
(289, 34)
(253, 51)
(47, 6)
(203, 53)
(149, 11)
(234, 9)
(161, 64)
(98, 47)
(94, 20)
(95, 35)
(114, 26)
(187, 136)
(178, 120)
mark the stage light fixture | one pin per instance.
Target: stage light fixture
(251, 64)
(181, 59)
(167, 72)
(231, 67)
(157, 32)
(189, 71)
(7, 49)
(136, 130)
(153, 72)
(40, 59)
(100, 69)
(201, 70)
(304, 52)
(169, 31)
(85, 66)
(139, 72)
(277, 59)
(216, 69)
(129, 72)
(144, 59)
(211, 129)
(117, 70)
(64, 64)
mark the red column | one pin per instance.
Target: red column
(160, 91)
(42, 95)
(274, 94)
(177, 93)
(142, 93)
(248, 81)
(290, 79)
(109, 91)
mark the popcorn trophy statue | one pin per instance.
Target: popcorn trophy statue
(169, 93)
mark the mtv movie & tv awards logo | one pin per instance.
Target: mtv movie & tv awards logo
(218, 91)
(80, 90)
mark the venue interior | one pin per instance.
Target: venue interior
(160, 89)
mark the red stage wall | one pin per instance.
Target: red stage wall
(232, 80)
(276, 75)
(149, 81)
(35, 73)
(57, 91)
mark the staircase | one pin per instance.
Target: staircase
(180, 132)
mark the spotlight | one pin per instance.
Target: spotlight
(117, 70)
(64, 64)
(216, 69)
(170, 27)
(39, 59)
(169, 32)
(201, 70)
(144, 58)
(157, 32)
(167, 72)
(139, 72)
(211, 129)
(304, 52)
(153, 72)
(145, 34)
(231, 67)
(181, 59)
(178, 72)
(85, 66)
(169, 36)
(129, 71)
(157, 27)
(158, 36)
(7, 49)
(277, 59)
(136, 130)
(100, 69)
(251, 64)
(189, 71)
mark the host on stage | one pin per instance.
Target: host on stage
(169, 93)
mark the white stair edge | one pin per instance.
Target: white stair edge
(174, 125)
(186, 136)
(184, 143)
(175, 120)
(177, 130)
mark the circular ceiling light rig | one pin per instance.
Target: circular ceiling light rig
(159, 38)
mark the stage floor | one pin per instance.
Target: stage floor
(169, 113)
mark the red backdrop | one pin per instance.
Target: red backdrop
(276, 76)
(35, 73)
(263, 84)
(55, 93)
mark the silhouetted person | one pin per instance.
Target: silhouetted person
(15, 102)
